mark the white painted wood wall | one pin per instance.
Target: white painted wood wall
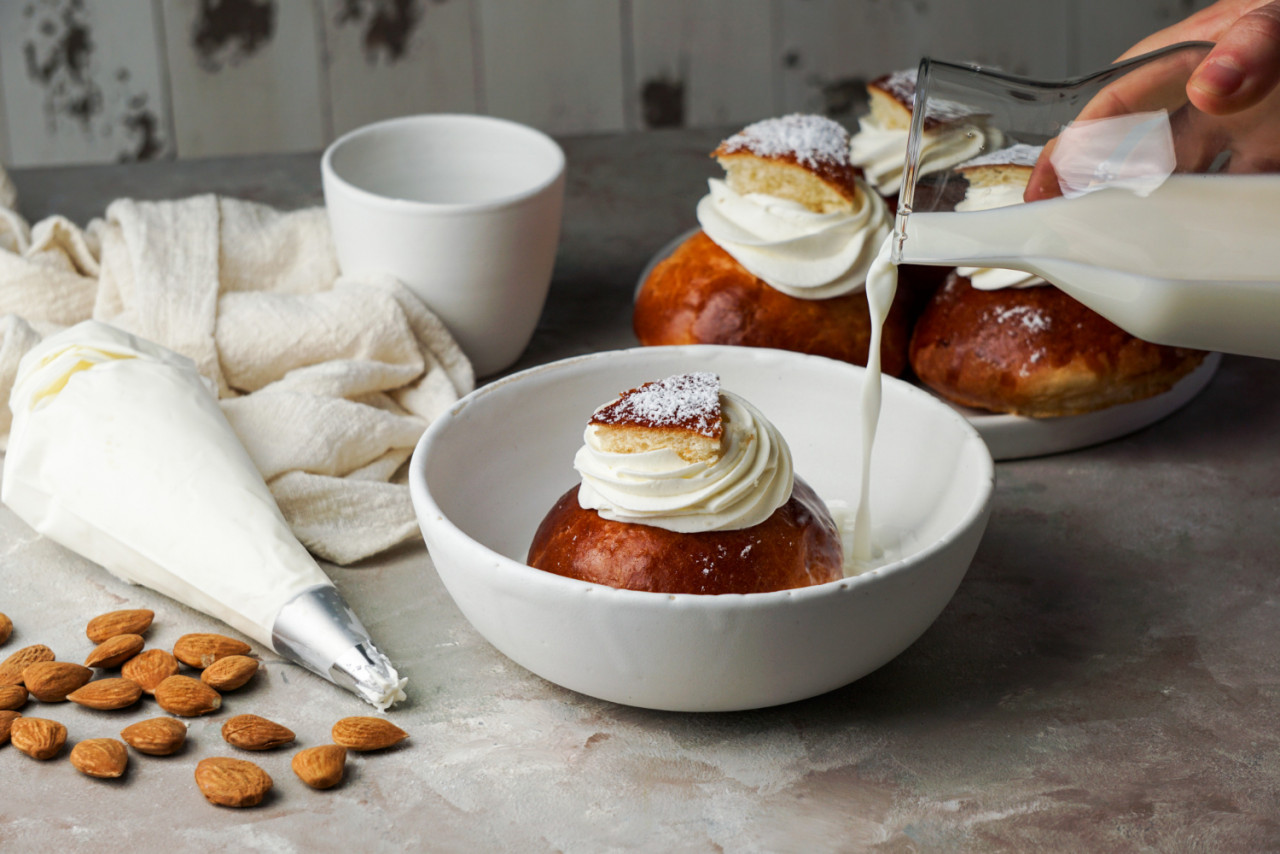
(93, 81)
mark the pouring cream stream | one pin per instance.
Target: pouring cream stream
(882, 284)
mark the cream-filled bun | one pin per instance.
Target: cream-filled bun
(686, 488)
(1006, 341)
(787, 239)
(953, 133)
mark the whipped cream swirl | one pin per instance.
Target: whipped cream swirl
(990, 197)
(995, 278)
(881, 151)
(751, 479)
(985, 198)
(801, 253)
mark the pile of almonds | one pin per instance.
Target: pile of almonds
(34, 672)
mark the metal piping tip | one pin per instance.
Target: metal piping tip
(318, 629)
(369, 674)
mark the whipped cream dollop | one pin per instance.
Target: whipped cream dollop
(995, 278)
(987, 198)
(984, 197)
(795, 250)
(750, 479)
(120, 452)
(880, 150)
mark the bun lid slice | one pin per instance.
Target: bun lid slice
(893, 99)
(802, 158)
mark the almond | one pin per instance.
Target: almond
(7, 717)
(12, 696)
(115, 651)
(100, 757)
(150, 668)
(107, 694)
(187, 697)
(203, 649)
(133, 621)
(321, 767)
(365, 733)
(6, 628)
(11, 668)
(52, 681)
(228, 674)
(156, 736)
(251, 732)
(39, 738)
(232, 782)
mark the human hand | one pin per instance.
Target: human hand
(1230, 100)
(1244, 66)
(1154, 84)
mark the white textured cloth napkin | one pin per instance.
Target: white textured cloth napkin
(328, 380)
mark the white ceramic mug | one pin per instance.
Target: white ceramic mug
(465, 210)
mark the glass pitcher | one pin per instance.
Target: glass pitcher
(1161, 218)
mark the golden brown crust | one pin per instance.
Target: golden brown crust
(797, 546)
(1035, 352)
(701, 295)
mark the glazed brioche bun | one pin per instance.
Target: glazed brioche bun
(700, 295)
(797, 546)
(1031, 351)
(1035, 352)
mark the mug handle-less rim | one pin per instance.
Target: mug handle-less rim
(332, 176)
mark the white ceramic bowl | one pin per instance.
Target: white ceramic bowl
(486, 473)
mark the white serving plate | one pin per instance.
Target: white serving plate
(1012, 437)
(484, 475)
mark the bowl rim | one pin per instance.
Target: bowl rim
(426, 506)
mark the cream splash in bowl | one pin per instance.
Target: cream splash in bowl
(485, 474)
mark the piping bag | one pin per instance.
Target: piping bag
(120, 452)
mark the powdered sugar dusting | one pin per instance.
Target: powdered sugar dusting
(1015, 155)
(900, 84)
(690, 401)
(1030, 318)
(814, 141)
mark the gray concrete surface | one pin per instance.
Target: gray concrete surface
(1106, 678)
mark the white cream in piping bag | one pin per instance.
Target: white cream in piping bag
(752, 478)
(120, 452)
(795, 250)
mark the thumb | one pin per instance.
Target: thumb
(1243, 68)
